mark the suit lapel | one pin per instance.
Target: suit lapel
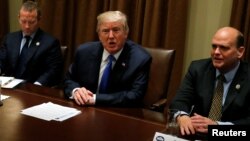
(94, 66)
(239, 79)
(16, 47)
(35, 44)
(209, 83)
(121, 65)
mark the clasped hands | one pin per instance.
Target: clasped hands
(82, 96)
(191, 125)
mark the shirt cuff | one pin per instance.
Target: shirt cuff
(37, 83)
(72, 93)
(224, 123)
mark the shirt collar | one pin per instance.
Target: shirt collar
(106, 54)
(229, 75)
(31, 36)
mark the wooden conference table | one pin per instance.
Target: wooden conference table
(93, 124)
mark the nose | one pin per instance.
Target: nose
(27, 25)
(111, 34)
(217, 50)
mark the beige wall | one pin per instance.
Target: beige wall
(204, 18)
(14, 6)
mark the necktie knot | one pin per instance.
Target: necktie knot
(111, 58)
(27, 39)
(221, 77)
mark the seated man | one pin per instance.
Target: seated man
(127, 80)
(31, 54)
(215, 90)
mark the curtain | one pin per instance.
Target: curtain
(153, 23)
(4, 18)
(240, 19)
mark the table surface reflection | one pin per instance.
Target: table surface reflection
(93, 124)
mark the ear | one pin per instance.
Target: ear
(240, 51)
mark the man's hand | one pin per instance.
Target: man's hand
(185, 124)
(83, 96)
(201, 123)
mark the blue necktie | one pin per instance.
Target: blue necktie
(22, 58)
(105, 76)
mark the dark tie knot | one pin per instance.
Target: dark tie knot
(27, 37)
(222, 78)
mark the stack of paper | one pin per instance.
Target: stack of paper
(9, 82)
(49, 111)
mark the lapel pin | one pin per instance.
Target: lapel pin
(37, 43)
(237, 86)
(123, 64)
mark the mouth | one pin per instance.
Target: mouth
(217, 60)
(111, 44)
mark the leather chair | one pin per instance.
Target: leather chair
(159, 77)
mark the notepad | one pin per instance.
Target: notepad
(10, 82)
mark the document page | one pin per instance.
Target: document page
(9, 82)
(50, 111)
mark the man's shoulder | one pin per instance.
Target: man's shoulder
(202, 64)
(136, 49)
(89, 45)
(202, 61)
(13, 34)
(45, 35)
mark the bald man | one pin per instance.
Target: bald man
(195, 95)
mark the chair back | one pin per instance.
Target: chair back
(159, 77)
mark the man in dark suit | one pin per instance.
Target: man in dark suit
(195, 96)
(42, 61)
(128, 79)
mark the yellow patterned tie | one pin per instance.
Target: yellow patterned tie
(216, 107)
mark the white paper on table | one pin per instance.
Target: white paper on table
(49, 111)
(12, 83)
(3, 97)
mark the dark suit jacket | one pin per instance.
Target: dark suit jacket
(128, 80)
(45, 62)
(198, 86)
